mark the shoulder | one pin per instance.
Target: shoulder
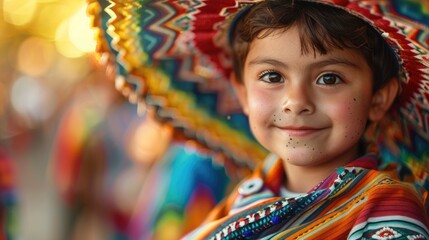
(386, 192)
(390, 208)
(386, 187)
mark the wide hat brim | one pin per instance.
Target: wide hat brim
(172, 56)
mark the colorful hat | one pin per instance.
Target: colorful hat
(173, 56)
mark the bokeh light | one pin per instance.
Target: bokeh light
(80, 33)
(19, 12)
(35, 56)
(71, 31)
(46, 44)
(33, 100)
(46, 58)
(74, 37)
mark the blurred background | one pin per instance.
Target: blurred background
(45, 56)
(76, 160)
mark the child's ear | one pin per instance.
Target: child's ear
(240, 90)
(383, 99)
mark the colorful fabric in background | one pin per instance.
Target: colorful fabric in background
(81, 165)
(405, 137)
(173, 56)
(179, 193)
(78, 122)
(116, 170)
(8, 198)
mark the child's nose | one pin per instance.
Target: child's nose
(298, 100)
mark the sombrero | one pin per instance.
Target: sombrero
(173, 57)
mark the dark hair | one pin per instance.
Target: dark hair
(321, 28)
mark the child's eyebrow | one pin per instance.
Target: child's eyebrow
(334, 61)
(321, 63)
(269, 61)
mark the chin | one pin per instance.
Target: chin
(300, 159)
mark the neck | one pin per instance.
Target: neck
(295, 181)
(302, 179)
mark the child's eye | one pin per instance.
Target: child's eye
(329, 79)
(270, 76)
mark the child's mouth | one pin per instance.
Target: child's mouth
(299, 131)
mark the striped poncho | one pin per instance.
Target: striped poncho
(356, 201)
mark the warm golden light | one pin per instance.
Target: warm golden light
(53, 20)
(141, 147)
(63, 42)
(74, 37)
(35, 56)
(3, 98)
(80, 32)
(19, 12)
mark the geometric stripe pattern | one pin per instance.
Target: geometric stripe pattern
(356, 202)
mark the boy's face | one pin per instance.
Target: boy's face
(309, 109)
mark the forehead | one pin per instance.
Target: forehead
(285, 46)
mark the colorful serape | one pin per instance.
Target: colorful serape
(355, 202)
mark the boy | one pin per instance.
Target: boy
(312, 78)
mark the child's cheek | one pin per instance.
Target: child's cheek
(352, 114)
(260, 101)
